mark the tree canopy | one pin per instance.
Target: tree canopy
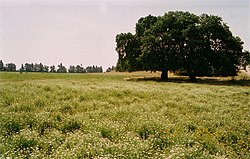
(184, 42)
(39, 67)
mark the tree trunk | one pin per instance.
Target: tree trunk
(192, 76)
(164, 74)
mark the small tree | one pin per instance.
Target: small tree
(110, 69)
(61, 69)
(52, 69)
(1, 65)
(79, 69)
(72, 69)
(41, 67)
(46, 68)
(245, 59)
(22, 68)
(11, 67)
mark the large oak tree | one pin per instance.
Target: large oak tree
(198, 45)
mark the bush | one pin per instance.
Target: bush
(144, 132)
(70, 126)
(161, 142)
(12, 126)
(25, 144)
(45, 125)
(106, 133)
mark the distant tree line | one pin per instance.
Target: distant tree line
(11, 67)
(34, 67)
(39, 67)
(181, 42)
(89, 69)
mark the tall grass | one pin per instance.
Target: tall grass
(105, 116)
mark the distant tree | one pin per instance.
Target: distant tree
(29, 67)
(94, 69)
(41, 67)
(1, 65)
(84, 70)
(22, 68)
(110, 69)
(72, 69)
(245, 59)
(11, 67)
(36, 67)
(79, 69)
(100, 70)
(61, 69)
(46, 68)
(89, 69)
(52, 69)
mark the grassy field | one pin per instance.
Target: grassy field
(121, 115)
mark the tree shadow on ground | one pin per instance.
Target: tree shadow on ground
(200, 80)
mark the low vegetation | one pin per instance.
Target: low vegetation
(121, 115)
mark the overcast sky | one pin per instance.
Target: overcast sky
(83, 31)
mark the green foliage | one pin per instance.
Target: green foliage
(25, 144)
(12, 126)
(144, 24)
(128, 48)
(34, 67)
(144, 132)
(106, 133)
(61, 69)
(105, 116)
(181, 41)
(161, 142)
(44, 126)
(191, 127)
(70, 126)
(1, 65)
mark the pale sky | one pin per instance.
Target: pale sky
(83, 31)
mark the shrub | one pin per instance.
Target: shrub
(144, 132)
(45, 125)
(106, 133)
(25, 144)
(161, 142)
(191, 127)
(12, 126)
(70, 126)
(31, 122)
(66, 109)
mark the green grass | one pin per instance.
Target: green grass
(119, 115)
